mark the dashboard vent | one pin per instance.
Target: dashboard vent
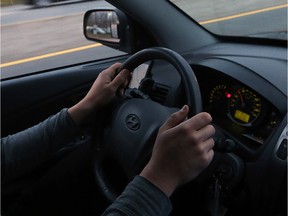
(158, 93)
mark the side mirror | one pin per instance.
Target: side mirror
(109, 27)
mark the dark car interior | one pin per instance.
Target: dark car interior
(242, 83)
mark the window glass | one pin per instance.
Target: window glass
(254, 18)
(40, 35)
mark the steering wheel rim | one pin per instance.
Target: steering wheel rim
(191, 88)
(190, 83)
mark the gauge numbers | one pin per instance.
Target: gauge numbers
(219, 93)
(244, 106)
(241, 105)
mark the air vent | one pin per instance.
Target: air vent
(159, 93)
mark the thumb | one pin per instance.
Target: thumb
(175, 119)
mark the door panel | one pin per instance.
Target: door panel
(30, 99)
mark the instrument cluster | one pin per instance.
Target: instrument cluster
(243, 106)
(241, 111)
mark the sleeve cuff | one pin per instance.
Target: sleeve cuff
(141, 197)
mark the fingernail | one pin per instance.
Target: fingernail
(184, 108)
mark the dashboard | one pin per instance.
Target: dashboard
(241, 107)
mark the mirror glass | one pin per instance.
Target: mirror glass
(102, 25)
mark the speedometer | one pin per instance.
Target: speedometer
(244, 106)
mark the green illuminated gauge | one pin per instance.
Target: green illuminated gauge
(219, 93)
(244, 107)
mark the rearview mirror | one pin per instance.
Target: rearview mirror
(102, 26)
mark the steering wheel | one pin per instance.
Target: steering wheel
(135, 122)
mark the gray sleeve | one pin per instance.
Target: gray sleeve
(140, 197)
(25, 150)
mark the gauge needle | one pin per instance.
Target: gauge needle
(241, 97)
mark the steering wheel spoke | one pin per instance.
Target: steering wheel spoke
(133, 132)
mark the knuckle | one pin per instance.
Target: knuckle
(207, 117)
(211, 142)
(186, 129)
(207, 158)
(211, 128)
(194, 139)
(173, 116)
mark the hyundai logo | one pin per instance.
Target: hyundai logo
(133, 122)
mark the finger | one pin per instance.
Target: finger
(199, 121)
(208, 144)
(204, 133)
(120, 92)
(209, 157)
(176, 118)
(113, 69)
(120, 79)
(207, 153)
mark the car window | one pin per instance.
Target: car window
(254, 18)
(39, 35)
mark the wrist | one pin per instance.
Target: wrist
(81, 111)
(164, 182)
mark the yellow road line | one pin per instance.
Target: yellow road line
(49, 55)
(243, 14)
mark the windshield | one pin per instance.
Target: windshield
(254, 18)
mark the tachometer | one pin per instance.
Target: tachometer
(219, 93)
(244, 106)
